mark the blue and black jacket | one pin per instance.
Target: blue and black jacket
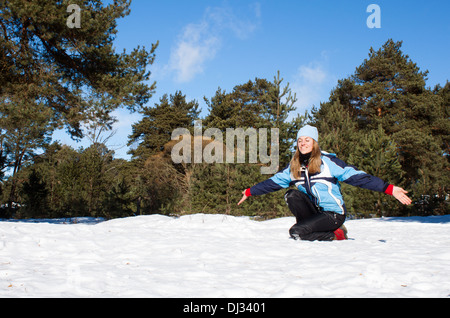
(323, 188)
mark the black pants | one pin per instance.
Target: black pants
(312, 224)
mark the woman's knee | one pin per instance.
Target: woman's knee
(300, 230)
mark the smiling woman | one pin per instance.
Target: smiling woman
(318, 204)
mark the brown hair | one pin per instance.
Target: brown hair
(314, 162)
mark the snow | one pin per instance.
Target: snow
(220, 256)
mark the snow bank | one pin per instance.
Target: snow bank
(222, 256)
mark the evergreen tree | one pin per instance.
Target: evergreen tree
(68, 200)
(222, 111)
(441, 127)
(388, 91)
(46, 166)
(338, 130)
(63, 182)
(40, 51)
(118, 200)
(93, 164)
(160, 186)
(280, 106)
(376, 154)
(2, 166)
(25, 128)
(156, 127)
(211, 188)
(50, 73)
(255, 104)
(35, 194)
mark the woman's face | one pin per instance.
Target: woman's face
(305, 144)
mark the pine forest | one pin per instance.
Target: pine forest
(382, 118)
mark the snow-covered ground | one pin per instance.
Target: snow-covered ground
(222, 256)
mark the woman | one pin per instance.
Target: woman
(318, 205)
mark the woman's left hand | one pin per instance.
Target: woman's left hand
(400, 194)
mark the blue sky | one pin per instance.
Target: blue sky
(206, 44)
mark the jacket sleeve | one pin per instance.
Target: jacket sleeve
(280, 180)
(350, 175)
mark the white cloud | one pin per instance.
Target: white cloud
(312, 74)
(199, 42)
(224, 18)
(312, 84)
(196, 46)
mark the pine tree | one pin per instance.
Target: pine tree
(441, 127)
(118, 200)
(388, 90)
(222, 111)
(63, 182)
(25, 128)
(93, 165)
(40, 51)
(280, 106)
(46, 166)
(370, 151)
(376, 154)
(338, 130)
(35, 194)
(50, 73)
(155, 129)
(255, 104)
(160, 184)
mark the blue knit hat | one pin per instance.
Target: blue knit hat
(308, 131)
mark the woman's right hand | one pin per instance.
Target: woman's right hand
(244, 197)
